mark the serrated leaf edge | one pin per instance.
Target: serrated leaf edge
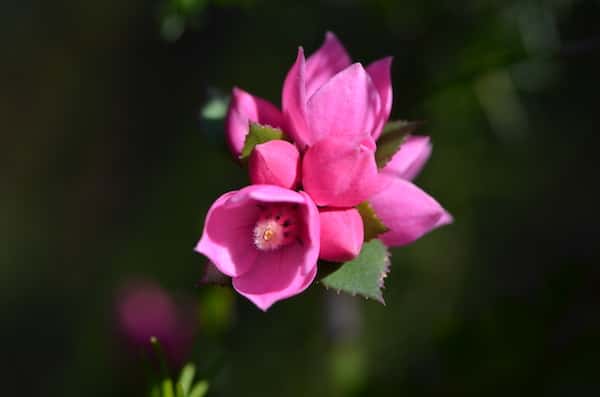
(381, 281)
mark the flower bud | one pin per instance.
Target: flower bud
(275, 162)
(342, 234)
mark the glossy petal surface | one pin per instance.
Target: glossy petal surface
(380, 72)
(408, 212)
(342, 234)
(340, 173)
(275, 163)
(410, 158)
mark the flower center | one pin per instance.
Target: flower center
(277, 226)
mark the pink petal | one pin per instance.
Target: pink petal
(275, 163)
(408, 212)
(381, 75)
(328, 60)
(288, 271)
(340, 173)
(410, 158)
(293, 102)
(311, 236)
(342, 234)
(272, 194)
(243, 109)
(227, 229)
(276, 276)
(347, 105)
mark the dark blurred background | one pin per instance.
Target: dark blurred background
(107, 170)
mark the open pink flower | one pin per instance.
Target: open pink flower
(324, 95)
(266, 238)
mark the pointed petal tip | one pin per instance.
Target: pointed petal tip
(445, 219)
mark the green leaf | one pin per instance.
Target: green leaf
(167, 388)
(372, 225)
(393, 135)
(259, 134)
(363, 275)
(179, 390)
(186, 378)
(200, 389)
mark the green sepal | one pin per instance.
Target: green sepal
(258, 134)
(393, 135)
(363, 275)
(372, 225)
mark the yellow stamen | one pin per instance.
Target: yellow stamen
(268, 234)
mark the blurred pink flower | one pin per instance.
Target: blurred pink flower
(145, 310)
(266, 238)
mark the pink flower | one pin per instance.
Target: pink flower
(324, 95)
(145, 310)
(266, 238)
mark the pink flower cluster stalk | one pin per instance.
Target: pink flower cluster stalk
(269, 236)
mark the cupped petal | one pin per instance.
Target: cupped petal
(408, 212)
(380, 72)
(342, 234)
(408, 161)
(293, 102)
(243, 109)
(327, 61)
(311, 234)
(348, 105)
(275, 163)
(340, 173)
(275, 276)
(288, 271)
(227, 229)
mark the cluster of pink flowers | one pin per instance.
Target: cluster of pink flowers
(301, 205)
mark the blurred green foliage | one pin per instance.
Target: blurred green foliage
(108, 170)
